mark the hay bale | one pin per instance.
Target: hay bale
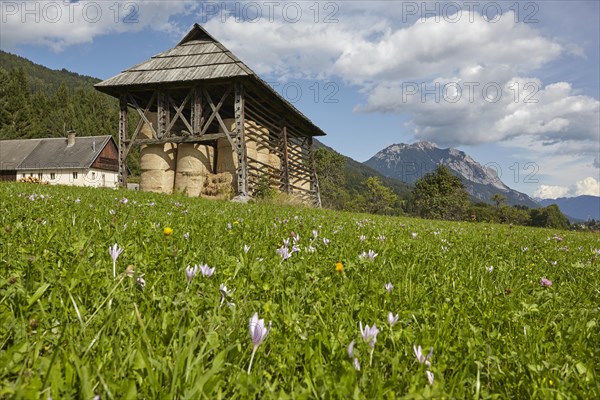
(218, 186)
(157, 166)
(275, 161)
(229, 123)
(194, 163)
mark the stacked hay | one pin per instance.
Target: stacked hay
(157, 166)
(262, 157)
(219, 186)
(194, 163)
(157, 162)
(300, 179)
(227, 162)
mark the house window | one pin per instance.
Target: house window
(93, 176)
(24, 175)
(40, 176)
(52, 175)
(75, 174)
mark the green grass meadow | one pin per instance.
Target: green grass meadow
(69, 329)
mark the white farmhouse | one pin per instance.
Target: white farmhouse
(84, 161)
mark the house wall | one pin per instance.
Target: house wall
(8, 176)
(108, 158)
(92, 177)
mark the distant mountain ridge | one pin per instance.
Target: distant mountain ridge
(582, 208)
(410, 162)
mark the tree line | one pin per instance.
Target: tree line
(31, 108)
(437, 195)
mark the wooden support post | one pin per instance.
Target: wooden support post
(163, 114)
(314, 177)
(285, 165)
(240, 141)
(197, 117)
(179, 113)
(122, 140)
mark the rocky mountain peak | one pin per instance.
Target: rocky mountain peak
(410, 162)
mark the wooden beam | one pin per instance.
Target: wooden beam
(122, 139)
(240, 140)
(215, 111)
(163, 114)
(143, 119)
(179, 139)
(143, 114)
(197, 117)
(179, 113)
(285, 164)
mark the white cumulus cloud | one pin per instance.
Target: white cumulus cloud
(589, 186)
(550, 192)
(60, 24)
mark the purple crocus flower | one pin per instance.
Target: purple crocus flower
(258, 333)
(283, 252)
(246, 248)
(369, 335)
(356, 364)
(368, 255)
(545, 282)
(115, 251)
(224, 293)
(392, 319)
(191, 272)
(389, 287)
(206, 270)
(351, 349)
(326, 241)
(430, 377)
(420, 357)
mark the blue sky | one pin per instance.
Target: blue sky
(368, 71)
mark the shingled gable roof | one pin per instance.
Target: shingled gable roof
(198, 57)
(51, 153)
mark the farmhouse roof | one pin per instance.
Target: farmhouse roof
(51, 153)
(198, 57)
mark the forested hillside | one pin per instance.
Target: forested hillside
(36, 101)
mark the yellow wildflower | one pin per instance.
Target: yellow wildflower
(339, 267)
(167, 231)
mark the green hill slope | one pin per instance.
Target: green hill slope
(42, 78)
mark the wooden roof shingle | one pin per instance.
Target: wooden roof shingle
(198, 57)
